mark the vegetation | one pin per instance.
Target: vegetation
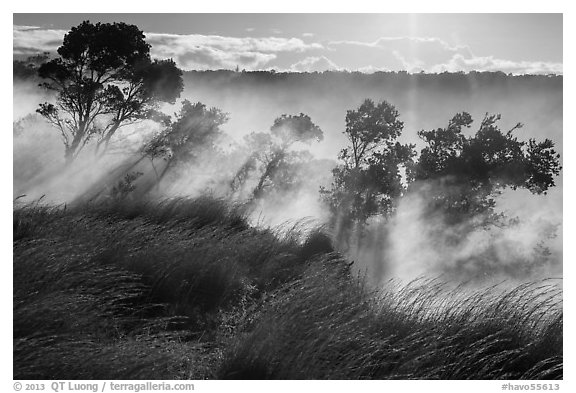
(473, 170)
(105, 78)
(122, 284)
(28, 68)
(187, 289)
(368, 182)
(271, 160)
(195, 132)
(457, 176)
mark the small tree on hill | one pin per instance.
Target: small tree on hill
(271, 160)
(368, 181)
(196, 130)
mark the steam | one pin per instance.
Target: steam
(40, 170)
(26, 98)
(409, 244)
(420, 245)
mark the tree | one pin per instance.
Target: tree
(105, 78)
(459, 177)
(271, 161)
(158, 81)
(290, 129)
(368, 181)
(196, 130)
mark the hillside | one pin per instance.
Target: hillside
(186, 289)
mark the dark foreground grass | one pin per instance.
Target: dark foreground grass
(186, 289)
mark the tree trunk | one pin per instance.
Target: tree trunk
(68, 156)
(164, 172)
(106, 140)
(268, 172)
(71, 151)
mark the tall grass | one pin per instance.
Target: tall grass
(109, 279)
(324, 327)
(187, 289)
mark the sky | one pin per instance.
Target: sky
(511, 43)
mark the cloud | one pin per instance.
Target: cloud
(195, 51)
(210, 58)
(25, 28)
(399, 52)
(387, 42)
(489, 63)
(264, 44)
(430, 54)
(29, 40)
(371, 69)
(315, 64)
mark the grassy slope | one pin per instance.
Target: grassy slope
(186, 289)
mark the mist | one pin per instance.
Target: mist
(408, 245)
(405, 248)
(425, 101)
(512, 253)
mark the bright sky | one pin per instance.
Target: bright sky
(516, 43)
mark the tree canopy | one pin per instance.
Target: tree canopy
(195, 131)
(368, 180)
(270, 159)
(290, 129)
(457, 176)
(105, 78)
(462, 175)
(195, 128)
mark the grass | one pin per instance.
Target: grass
(186, 289)
(324, 328)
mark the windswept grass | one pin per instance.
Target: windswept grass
(325, 327)
(187, 289)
